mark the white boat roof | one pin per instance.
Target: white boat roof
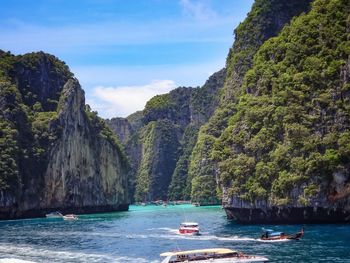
(199, 251)
(189, 223)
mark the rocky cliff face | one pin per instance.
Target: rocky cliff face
(287, 157)
(162, 138)
(121, 127)
(55, 153)
(265, 20)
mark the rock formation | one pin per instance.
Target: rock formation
(159, 140)
(55, 153)
(284, 157)
(264, 21)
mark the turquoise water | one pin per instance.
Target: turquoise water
(142, 233)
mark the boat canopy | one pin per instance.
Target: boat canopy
(220, 251)
(189, 224)
(272, 234)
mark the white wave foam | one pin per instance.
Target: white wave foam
(14, 260)
(171, 234)
(274, 241)
(202, 236)
(46, 255)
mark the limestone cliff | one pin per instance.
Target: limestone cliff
(55, 153)
(161, 137)
(265, 20)
(121, 127)
(286, 154)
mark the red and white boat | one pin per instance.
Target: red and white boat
(189, 228)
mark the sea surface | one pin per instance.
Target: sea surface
(144, 232)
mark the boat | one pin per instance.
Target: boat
(217, 255)
(70, 217)
(55, 214)
(190, 228)
(270, 234)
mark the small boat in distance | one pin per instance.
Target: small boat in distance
(55, 214)
(270, 234)
(189, 228)
(217, 255)
(70, 217)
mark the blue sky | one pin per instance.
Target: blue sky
(124, 52)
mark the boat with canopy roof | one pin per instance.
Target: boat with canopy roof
(270, 234)
(217, 255)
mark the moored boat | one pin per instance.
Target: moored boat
(270, 234)
(217, 255)
(190, 228)
(55, 214)
(70, 217)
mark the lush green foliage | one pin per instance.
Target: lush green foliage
(264, 21)
(159, 102)
(178, 188)
(30, 88)
(291, 125)
(164, 136)
(159, 156)
(25, 131)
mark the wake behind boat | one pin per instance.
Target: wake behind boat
(217, 255)
(270, 234)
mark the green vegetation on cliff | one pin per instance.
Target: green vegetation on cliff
(159, 155)
(290, 132)
(35, 101)
(160, 139)
(25, 113)
(264, 21)
(178, 189)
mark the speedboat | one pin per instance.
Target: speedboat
(270, 234)
(70, 217)
(54, 215)
(190, 228)
(217, 255)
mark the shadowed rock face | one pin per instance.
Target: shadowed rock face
(288, 215)
(84, 170)
(65, 157)
(121, 127)
(159, 140)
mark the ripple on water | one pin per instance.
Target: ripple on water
(141, 234)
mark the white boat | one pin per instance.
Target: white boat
(54, 215)
(70, 217)
(189, 228)
(217, 255)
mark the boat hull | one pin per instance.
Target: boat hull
(189, 232)
(227, 260)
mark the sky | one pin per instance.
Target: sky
(126, 51)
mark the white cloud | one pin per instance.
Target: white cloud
(122, 101)
(198, 10)
(194, 74)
